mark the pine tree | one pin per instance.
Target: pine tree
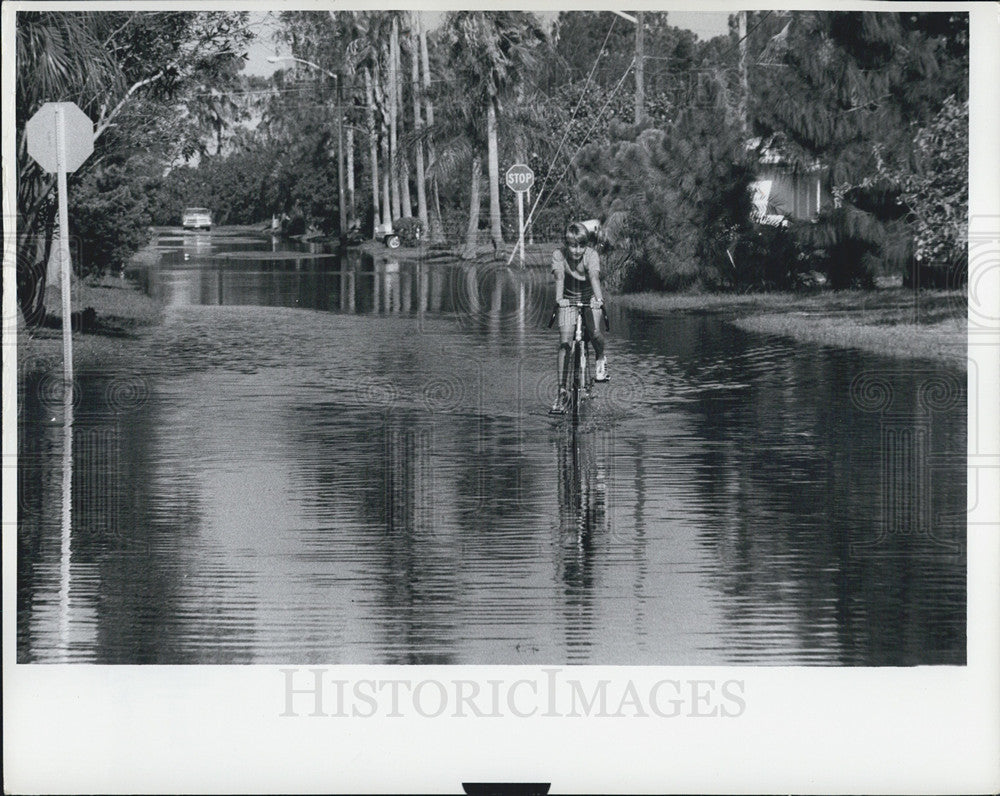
(678, 192)
(839, 86)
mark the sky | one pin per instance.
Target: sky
(705, 25)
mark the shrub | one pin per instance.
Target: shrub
(934, 187)
(108, 218)
(409, 229)
(766, 257)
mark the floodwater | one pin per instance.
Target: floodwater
(351, 461)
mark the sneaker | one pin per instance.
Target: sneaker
(601, 373)
(561, 402)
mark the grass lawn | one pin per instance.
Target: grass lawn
(122, 317)
(895, 322)
(892, 321)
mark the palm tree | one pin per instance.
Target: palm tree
(460, 144)
(372, 143)
(366, 53)
(59, 56)
(418, 122)
(490, 50)
(436, 229)
(107, 63)
(406, 206)
(393, 95)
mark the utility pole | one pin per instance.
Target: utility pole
(744, 81)
(640, 71)
(340, 160)
(340, 131)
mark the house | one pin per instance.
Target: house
(785, 187)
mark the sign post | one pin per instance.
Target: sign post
(61, 137)
(519, 179)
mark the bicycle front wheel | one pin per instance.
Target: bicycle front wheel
(579, 377)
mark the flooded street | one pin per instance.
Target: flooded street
(328, 461)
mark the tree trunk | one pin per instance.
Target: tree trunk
(640, 68)
(405, 202)
(34, 250)
(744, 84)
(386, 150)
(351, 209)
(392, 90)
(437, 228)
(386, 183)
(372, 146)
(472, 231)
(496, 234)
(417, 127)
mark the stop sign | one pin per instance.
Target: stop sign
(43, 135)
(520, 177)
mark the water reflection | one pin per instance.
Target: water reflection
(582, 461)
(204, 271)
(65, 562)
(376, 480)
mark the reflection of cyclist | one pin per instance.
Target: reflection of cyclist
(577, 270)
(584, 525)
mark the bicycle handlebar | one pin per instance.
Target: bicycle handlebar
(581, 305)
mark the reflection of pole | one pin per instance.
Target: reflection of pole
(472, 288)
(67, 515)
(496, 300)
(405, 288)
(423, 283)
(437, 289)
(521, 307)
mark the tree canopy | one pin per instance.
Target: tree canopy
(127, 70)
(873, 102)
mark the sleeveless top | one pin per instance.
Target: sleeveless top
(576, 286)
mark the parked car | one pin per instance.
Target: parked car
(387, 236)
(196, 218)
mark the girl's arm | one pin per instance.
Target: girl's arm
(558, 275)
(594, 273)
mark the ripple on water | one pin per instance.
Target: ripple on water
(372, 487)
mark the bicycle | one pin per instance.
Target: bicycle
(581, 376)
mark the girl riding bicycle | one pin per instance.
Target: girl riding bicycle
(576, 267)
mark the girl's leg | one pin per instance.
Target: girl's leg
(596, 334)
(567, 327)
(597, 340)
(563, 364)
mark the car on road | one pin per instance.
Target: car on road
(196, 218)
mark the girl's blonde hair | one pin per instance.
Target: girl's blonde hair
(576, 233)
